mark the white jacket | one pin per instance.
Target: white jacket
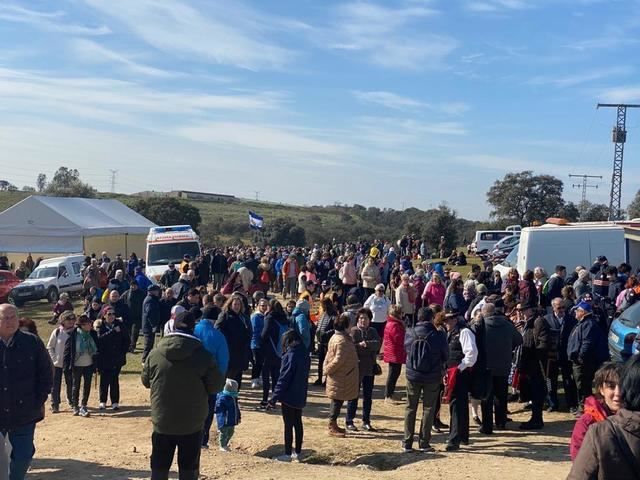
(57, 341)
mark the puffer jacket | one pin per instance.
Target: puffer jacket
(406, 298)
(370, 276)
(112, 345)
(588, 343)
(26, 378)
(601, 457)
(393, 341)
(341, 368)
(438, 350)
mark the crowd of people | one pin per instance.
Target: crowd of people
(473, 343)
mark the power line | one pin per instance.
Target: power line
(584, 186)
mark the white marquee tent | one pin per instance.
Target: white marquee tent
(58, 225)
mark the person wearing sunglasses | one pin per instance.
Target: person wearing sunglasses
(560, 324)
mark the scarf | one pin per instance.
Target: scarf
(85, 343)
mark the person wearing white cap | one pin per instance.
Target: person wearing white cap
(379, 305)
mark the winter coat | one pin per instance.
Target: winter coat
(379, 306)
(456, 302)
(120, 286)
(341, 368)
(181, 375)
(406, 298)
(370, 276)
(348, 274)
(169, 277)
(26, 378)
(291, 387)
(601, 458)
(134, 299)
(69, 357)
(559, 337)
(227, 410)
(270, 335)
(150, 314)
(113, 346)
(528, 294)
(180, 289)
(257, 325)
(121, 310)
(219, 264)
(594, 411)
(438, 350)
(238, 338)
(214, 342)
(535, 344)
(588, 343)
(393, 341)
(366, 354)
(56, 344)
(302, 323)
(502, 338)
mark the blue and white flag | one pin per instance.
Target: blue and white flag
(255, 220)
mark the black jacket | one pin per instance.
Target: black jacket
(26, 378)
(502, 338)
(238, 338)
(122, 312)
(588, 343)
(559, 337)
(150, 314)
(438, 350)
(133, 300)
(270, 334)
(70, 349)
(219, 264)
(112, 345)
(169, 277)
(180, 289)
(165, 310)
(535, 345)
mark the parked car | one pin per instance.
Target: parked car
(52, 277)
(7, 281)
(623, 334)
(485, 240)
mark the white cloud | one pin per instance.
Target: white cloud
(387, 36)
(220, 32)
(256, 136)
(48, 21)
(92, 52)
(490, 6)
(389, 100)
(580, 78)
(621, 94)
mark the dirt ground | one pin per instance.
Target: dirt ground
(116, 445)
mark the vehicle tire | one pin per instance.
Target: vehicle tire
(52, 295)
(14, 301)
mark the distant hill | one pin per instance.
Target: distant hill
(228, 221)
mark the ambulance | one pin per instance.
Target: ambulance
(169, 244)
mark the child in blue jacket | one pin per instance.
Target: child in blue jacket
(291, 392)
(227, 413)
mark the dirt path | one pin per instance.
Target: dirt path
(116, 445)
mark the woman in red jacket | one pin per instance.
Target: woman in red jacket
(393, 351)
(606, 402)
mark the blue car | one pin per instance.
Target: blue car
(623, 333)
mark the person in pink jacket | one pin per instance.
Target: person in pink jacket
(434, 291)
(393, 349)
(606, 402)
(348, 273)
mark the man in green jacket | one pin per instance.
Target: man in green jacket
(181, 374)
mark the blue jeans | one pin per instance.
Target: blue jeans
(22, 450)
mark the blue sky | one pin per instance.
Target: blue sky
(387, 103)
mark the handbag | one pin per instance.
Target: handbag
(377, 369)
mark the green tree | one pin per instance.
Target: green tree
(168, 211)
(41, 182)
(633, 210)
(66, 183)
(283, 231)
(6, 186)
(28, 188)
(525, 198)
(444, 223)
(570, 211)
(595, 212)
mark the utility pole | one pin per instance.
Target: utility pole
(113, 180)
(619, 137)
(257, 192)
(584, 186)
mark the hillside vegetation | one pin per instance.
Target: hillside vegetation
(224, 222)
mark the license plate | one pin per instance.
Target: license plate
(614, 337)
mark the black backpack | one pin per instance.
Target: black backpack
(419, 358)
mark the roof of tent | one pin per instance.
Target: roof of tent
(38, 216)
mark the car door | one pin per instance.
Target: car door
(76, 276)
(63, 278)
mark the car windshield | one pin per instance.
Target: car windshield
(44, 272)
(511, 259)
(631, 316)
(164, 253)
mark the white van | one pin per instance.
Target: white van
(169, 244)
(486, 239)
(52, 277)
(569, 245)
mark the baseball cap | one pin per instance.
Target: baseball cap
(584, 306)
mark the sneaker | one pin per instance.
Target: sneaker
(477, 420)
(101, 406)
(263, 405)
(367, 427)
(440, 424)
(224, 449)
(317, 383)
(407, 449)
(295, 457)
(351, 427)
(283, 458)
(76, 411)
(427, 449)
(84, 412)
(552, 409)
(55, 409)
(115, 407)
(452, 447)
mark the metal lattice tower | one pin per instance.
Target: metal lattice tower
(584, 185)
(113, 180)
(619, 138)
